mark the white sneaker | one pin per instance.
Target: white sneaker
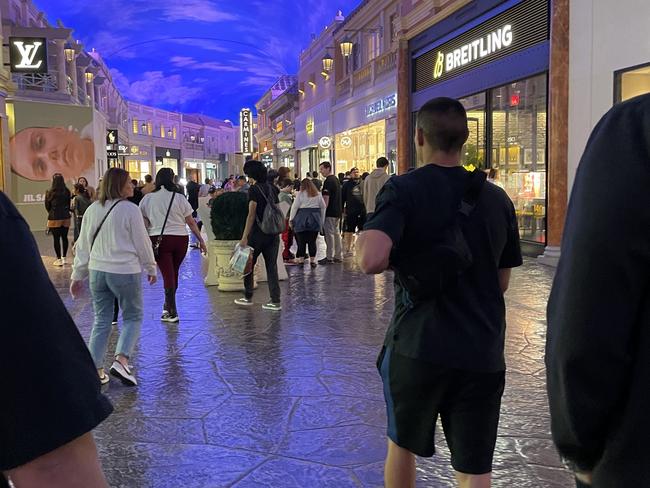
(244, 302)
(58, 262)
(272, 306)
(167, 317)
(124, 373)
(65, 261)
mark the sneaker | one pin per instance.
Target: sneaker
(244, 302)
(338, 260)
(114, 322)
(272, 306)
(58, 262)
(65, 261)
(124, 373)
(326, 261)
(169, 317)
(104, 379)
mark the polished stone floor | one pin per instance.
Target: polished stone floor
(250, 398)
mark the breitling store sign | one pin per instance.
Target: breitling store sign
(518, 28)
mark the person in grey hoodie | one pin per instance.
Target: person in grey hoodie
(373, 183)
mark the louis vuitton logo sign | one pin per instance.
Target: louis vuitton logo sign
(28, 54)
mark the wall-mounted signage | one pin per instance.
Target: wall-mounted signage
(279, 127)
(123, 149)
(518, 28)
(346, 141)
(246, 130)
(382, 105)
(309, 126)
(325, 142)
(285, 144)
(111, 154)
(28, 54)
(267, 159)
(111, 136)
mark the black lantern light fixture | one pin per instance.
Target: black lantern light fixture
(144, 127)
(328, 63)
(89, 77)
(69, 53)
(346, 47)
(169, 133)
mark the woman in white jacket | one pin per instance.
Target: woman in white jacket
(113, 249)
(306, 219)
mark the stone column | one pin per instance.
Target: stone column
(60, 58)
(84, 86)
(558, 131)
(73, 75)
(404, 135)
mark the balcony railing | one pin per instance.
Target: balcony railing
(385, 63)
(362, 76)
(343, 88)
(46, 82)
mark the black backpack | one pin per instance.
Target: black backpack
(273, 222)
(427, 274)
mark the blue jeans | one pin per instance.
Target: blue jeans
(104, 289)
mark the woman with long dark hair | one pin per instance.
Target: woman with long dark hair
(166, 214)
(57, 204)
(91, 191)
(260, 194)
(113, 249)
(306, 219)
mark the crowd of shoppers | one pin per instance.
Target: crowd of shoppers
(443, 355)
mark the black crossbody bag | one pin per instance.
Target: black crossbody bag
(158, 241)
(426, 274)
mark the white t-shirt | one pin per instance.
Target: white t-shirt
(154, 208)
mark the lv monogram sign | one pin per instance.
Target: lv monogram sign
(28, 54)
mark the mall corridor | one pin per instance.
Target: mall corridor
(248, 398)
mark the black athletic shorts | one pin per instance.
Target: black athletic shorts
(468, 403)
(354, 222)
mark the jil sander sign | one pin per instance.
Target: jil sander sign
(28, 54)
(246, 130)
(518, 28)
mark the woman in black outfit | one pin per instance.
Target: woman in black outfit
(57, 204)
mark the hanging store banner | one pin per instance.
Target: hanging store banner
(28, 55)
(111, 136)
(516, 29)
(246, 130)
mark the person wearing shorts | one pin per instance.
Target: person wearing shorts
(443, 356)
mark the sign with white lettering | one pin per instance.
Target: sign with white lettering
(325, 142)
(246, 130)
(111, 154)
(28, 54)
(382, 105)
(522, 26)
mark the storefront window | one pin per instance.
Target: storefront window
(519, 151)
(473, 154)
(632, 82)
(360, 147)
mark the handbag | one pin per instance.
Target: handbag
(92, 243)
(273, 222)
(156, 243)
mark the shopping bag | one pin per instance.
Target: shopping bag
(242, 260)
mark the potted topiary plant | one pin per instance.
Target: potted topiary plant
(228, 219)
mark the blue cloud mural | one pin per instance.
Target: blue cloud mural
(203, 56)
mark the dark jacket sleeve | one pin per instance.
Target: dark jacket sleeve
(601, 282)
(48, 200)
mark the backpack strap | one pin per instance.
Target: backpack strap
(475, 182)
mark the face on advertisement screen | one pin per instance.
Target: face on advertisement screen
(39, 153)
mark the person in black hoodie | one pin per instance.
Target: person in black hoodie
(598, 342)
(57, 204)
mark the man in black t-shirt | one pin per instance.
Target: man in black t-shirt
(50, 396)
(443, 354)
(332, 197)
(354, 209)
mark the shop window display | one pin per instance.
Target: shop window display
(360, 147)
(473, 154)
(519, 151)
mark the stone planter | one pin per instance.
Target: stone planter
(219, 272)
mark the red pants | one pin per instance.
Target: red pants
(287, 238)
(171, 253)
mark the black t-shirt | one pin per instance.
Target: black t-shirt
(353, 197)
(332, 188)
(50, 389)
(464, 327)
(255, 195)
